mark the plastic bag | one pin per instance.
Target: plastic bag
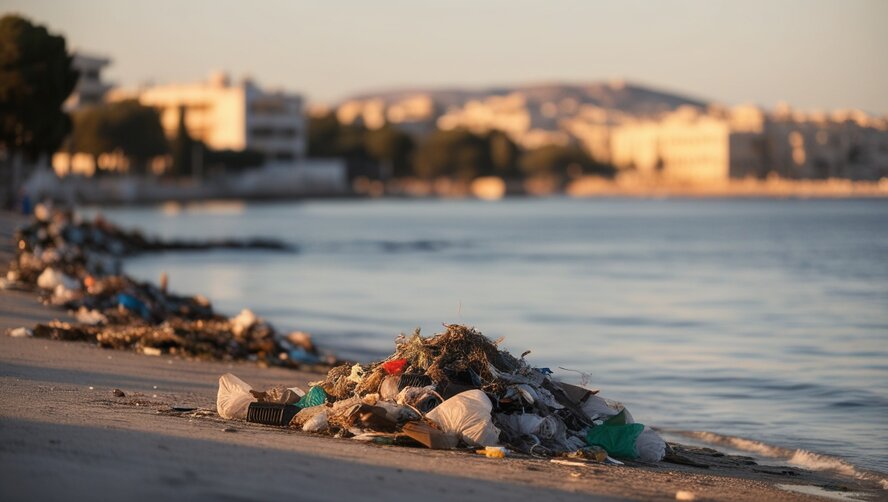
(315, 397)
(233, 398)
(599, 407)
(242, 322)
(520, 424)
(650, 446)
(618, 440)
(317, 423)
(51, 278)
(467, 414)
(306, 415)
(633, 441)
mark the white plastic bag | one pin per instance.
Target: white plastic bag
(243, 322)
(233, 398)
(650, 446)
(51, 278)
(317, 423)
(524, 424)
(599, 407)
(467, 414)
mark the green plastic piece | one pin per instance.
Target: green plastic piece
(617, 440)
(315, 396)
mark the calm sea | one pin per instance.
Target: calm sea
(758, 319)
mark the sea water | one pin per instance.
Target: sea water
(764, 321)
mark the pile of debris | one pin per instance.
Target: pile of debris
(77, 265)
(455, 388)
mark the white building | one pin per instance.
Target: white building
(527, 124)
(90, 88)
(229, 116)
(705, 146)
(414, 113)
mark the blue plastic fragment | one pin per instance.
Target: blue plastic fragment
(132, 303)
(300, 355)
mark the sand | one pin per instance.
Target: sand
(64, 435)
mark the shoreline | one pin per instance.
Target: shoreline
(59, 411)
(118, 192)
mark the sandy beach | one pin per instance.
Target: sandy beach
(64, 434)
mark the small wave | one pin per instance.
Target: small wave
(797, 457)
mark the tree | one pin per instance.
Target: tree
(90, 133)
(323, 136)
(136, 130)
(393, 147)
(455, 153)
(232, 160)
(126, 126)
(504, 155)
(328, 138)
(35, 79)
(183, 146)
(561, 160)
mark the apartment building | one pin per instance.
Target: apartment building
(230, 116)
(717, 144)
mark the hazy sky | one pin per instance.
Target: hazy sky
(811, 53)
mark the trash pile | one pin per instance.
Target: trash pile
(77, 265)
(455, 388)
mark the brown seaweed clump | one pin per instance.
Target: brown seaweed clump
(459, 352)
(460, 357)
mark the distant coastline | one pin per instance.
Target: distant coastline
(139, 191)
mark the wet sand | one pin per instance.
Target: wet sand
(65, 435)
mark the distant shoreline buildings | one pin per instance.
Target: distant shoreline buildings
(648, 134)
(229, 116)
(718, 144)
(219, 116)
(644, 133)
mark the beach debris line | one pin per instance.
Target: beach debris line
(76, 264)
(455, 388)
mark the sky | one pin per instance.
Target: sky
(813, 54)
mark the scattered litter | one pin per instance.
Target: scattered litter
(229, 429)
(271, 413)
(77, 264)
(455, 388)
(118, 393)
(468, 415)
(19, 332)
(589, 453)
(429, 436)
(51, 279)
(685, 495)
(234, 397)
(493, 452)
(572, 463)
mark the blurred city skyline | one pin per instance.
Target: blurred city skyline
(812, 54)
